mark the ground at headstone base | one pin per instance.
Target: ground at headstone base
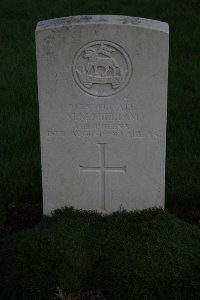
(82, 294)
(130, 256)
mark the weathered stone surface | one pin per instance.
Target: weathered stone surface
(102, 83)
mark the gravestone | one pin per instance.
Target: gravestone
(102, 83)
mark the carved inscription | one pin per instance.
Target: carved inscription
(102, 170)
(56, 133)
(119, 120)
(102, 68)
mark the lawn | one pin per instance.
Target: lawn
(128, 256)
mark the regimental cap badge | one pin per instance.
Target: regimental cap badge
(102, 68)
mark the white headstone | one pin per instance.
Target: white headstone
(102, 84)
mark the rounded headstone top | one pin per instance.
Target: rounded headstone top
(103, 19)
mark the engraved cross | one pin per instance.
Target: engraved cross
(102, 169)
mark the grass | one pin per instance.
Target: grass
(20, 171)
(140, 255)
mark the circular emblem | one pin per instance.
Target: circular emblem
(102, 68)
